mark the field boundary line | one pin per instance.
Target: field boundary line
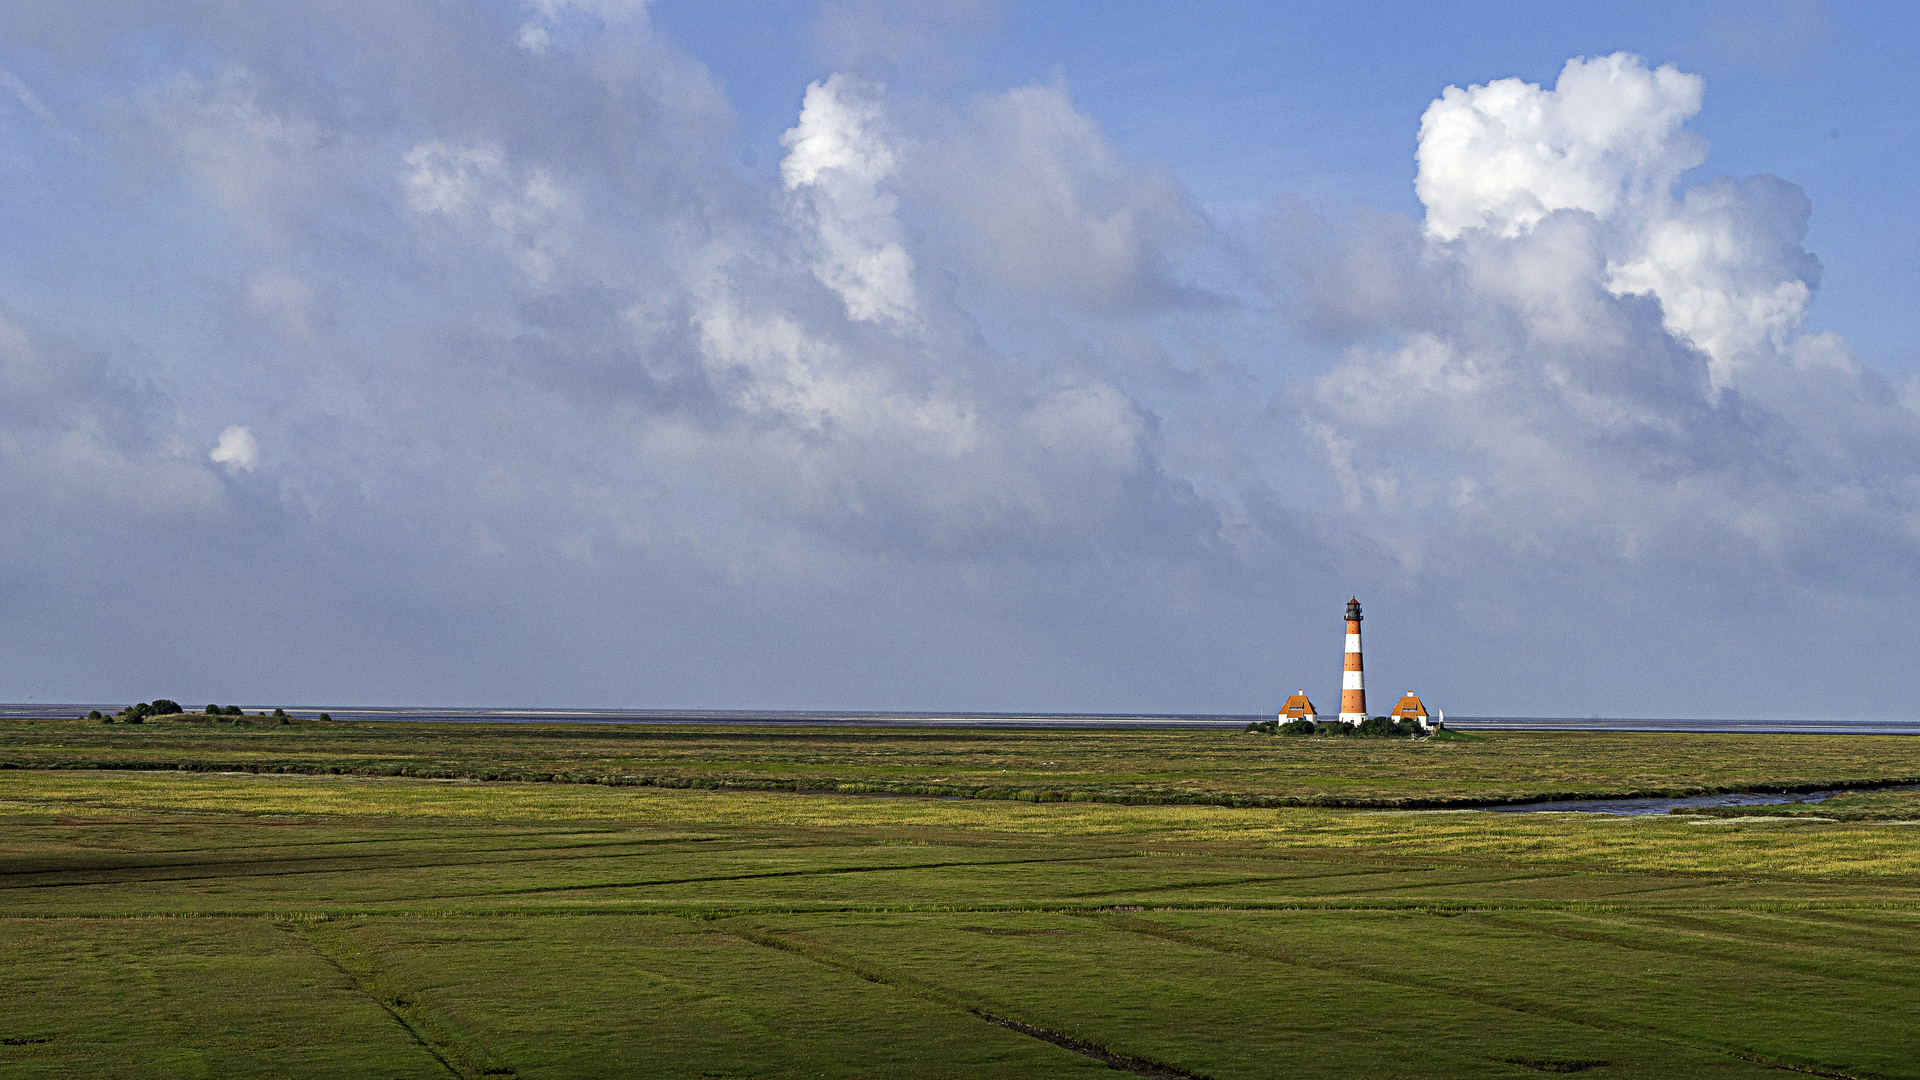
(1258, 878)
(1139, 1066)
(1149, 928)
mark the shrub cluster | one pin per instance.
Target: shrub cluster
(1374, 727)
(137, 714)
(1386, 727)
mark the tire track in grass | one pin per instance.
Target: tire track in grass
(1857, 918)
(1226, 947)
(1771, 929)
(1138, 1066)
(1684, 940)
(462, 1056)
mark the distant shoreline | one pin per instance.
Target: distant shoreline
(992, 721)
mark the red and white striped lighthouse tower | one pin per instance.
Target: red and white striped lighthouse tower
(1353, 684)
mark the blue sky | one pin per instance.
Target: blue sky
(970, 355)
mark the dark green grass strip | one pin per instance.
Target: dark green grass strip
(825, 871)
(360, 864)
(1260, 879)
(1505, 879)
(563, 851)
(1372, 974)
(1138, 1066)
(403, 840)
(226, 816)
(462, 1056)
(404, 849)
(1683, 883)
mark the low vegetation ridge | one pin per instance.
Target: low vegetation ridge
(1132, 796)
(1141, 767)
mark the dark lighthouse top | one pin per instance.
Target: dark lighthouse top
(1353, 610)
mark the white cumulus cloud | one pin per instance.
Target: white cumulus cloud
(1726, 264)
(237, 449)
(838, 162)
(1504, 155)
(1600, 366)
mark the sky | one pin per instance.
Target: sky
(975, 355)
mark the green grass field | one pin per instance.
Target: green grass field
(300, 924)
(1133, 766)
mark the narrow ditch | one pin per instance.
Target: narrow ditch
(1153, 1070)
(462, 1057)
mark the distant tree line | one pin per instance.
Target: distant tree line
(138, 714)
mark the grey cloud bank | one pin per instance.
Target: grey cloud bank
(424, 353)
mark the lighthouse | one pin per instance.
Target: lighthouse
(1353, 684)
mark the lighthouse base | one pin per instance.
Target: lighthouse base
(1352, 717)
